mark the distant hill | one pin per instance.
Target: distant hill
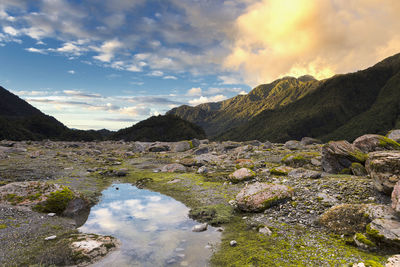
(216, 118)
(342, 107)
(21, 121)
(160, 128)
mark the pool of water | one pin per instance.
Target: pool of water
(154, 229)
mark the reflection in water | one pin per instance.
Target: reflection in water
(154, 229)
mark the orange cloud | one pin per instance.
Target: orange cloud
(274, 38)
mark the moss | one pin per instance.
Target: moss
(359, 156)
(214, 214)
(191, 144)
(388, 143)
(373, 233)
(363, 239)
(276, 171)
(3, 226)
(372, 263)
(56, 202)
(35, 196)
(345, 171)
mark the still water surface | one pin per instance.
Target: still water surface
(154, 229)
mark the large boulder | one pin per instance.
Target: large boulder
(260, 196)
(339, 155)
(305, 141)
(293, 145)
(241, 174)
(385, 230)
(384, 169)
(374, 142)
(182, 146)
(394, 135)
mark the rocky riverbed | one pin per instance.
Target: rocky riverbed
(301, 203)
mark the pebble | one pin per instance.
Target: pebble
(50, 237)
(52, 214)
(200, 227)
(233, 243)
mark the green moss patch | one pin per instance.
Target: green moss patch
(56, 202)
(214, 214)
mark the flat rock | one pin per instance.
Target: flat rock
(260, 196)
(305, 141)
(293, 145)
(304, 174)
(181, 146)
(200, 227)
(384, 169)
(174, 167)
(242, 175)
(386, 230)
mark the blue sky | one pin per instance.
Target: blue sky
(109, 64)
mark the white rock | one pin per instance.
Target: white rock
(200, 227)
(51, 237)
(233, 243)
(52, 214)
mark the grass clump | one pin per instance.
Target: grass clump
(3, 226)
(56, 202)
(214, 214)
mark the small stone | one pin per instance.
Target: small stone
(233, 243)
(200, 227)
(265, 231)
(50, 237)
(202, 169)
(52, 214)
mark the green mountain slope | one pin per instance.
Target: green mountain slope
(21, 121)
(221, 116)
(160, 128)
(342, 107)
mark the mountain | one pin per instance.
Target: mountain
(160, 128)
(21, 121)
(342, 107)
(216, 118)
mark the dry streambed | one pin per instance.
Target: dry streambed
(293, 204)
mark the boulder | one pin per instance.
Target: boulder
(345, 218)
(201, 150)
(267, 145)
(241, 175)
(181, 146)
(158, 148)
(394, 135)
(200, 227)
(293, 145)
(260, 196)
(393, 261)
(374, 142)
(385, 230)
(281, 170)
(174, 167)
(384, 169)
(297, 159)
(195, 142)
(305, 141)
(339, 155)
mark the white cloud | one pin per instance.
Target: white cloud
(170, 77)
(36, 50)
(220, 90)
(71, 72)
(11, 31)
(204, 99)
(135, 110)
(230, 79)
(156, 73)
(195, 91)
(107, 50)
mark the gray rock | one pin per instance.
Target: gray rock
(200, 227)
(201, 150)
(358, 169)
(396, 197)
(304, 174)
(384, 169)
(181, 146)
(195, 142)
(394, 135)
(386, 230)
(374, 142)
(158, 148)
(339, 155)
(260, 196)
(265, 231)
(267, 145)
(174, 167)
(293, 145)
(305, 141)
(202, 170)
(50, 237)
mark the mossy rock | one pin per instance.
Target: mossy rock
(214, 214)
(56, 201)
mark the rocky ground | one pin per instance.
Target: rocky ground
(301, 203)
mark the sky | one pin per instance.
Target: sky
(109, 64)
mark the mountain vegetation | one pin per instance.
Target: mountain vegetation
(160, 128)
(342, 107)
(216, 118)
